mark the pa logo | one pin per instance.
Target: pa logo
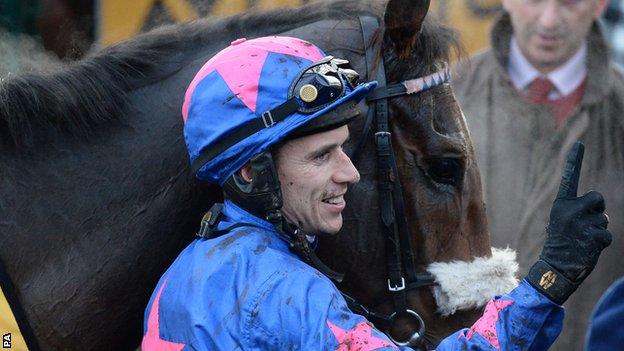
(6, 341)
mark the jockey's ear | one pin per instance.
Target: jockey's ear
(404, 20)
(246, 172)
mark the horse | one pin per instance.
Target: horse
(97, 197)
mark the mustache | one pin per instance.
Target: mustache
(332, 193)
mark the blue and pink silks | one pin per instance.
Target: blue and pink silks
(245, 290)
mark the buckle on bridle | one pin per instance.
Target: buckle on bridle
(382, 138)
(396, 288)
(267, 118)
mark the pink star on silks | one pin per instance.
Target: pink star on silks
(486, 325)
(242, 68)
(151, 339)
(359, 338)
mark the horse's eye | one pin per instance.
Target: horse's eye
(445, 170)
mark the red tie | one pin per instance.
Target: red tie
(539, 90)
(562, 107)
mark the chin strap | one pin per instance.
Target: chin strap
(299, 244)
(295, 237)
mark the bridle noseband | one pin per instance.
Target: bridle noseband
(402, 274)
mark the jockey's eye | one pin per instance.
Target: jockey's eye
(445, 170)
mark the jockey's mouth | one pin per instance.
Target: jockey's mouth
(335, 200)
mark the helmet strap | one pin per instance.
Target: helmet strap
(299, 244)
(261, 196)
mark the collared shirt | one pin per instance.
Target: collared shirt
(566, 78)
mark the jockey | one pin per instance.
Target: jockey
(266, 119)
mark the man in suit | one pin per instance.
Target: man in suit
(545, 82)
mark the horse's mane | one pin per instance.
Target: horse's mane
(87, 93)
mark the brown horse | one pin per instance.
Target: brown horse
(96, 197)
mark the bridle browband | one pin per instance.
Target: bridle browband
(402, 274)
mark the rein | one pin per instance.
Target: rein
(402, 274)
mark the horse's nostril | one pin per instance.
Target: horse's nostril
(445, 170)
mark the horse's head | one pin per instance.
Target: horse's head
(434, 155)
(440, 180)
(433, 150)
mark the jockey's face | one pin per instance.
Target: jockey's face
(549, 32)
(314, 173)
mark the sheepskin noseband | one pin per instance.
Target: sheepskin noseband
(468, 285)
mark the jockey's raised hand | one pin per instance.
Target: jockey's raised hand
(575, 236)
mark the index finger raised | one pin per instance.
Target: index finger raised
(571, 172)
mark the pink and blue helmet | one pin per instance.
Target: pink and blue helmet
(254, 94)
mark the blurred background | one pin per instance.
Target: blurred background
(49, 31)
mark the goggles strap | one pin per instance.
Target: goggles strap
(280, 112)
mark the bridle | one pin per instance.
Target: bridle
(402, 274)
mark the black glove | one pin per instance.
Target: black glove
(575, 236)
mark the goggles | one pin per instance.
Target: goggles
(321, 84)
(315, 88)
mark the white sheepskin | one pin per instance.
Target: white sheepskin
(468, 285)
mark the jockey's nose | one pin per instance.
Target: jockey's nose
(346, 172)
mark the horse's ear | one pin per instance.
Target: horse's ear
(404, 20)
